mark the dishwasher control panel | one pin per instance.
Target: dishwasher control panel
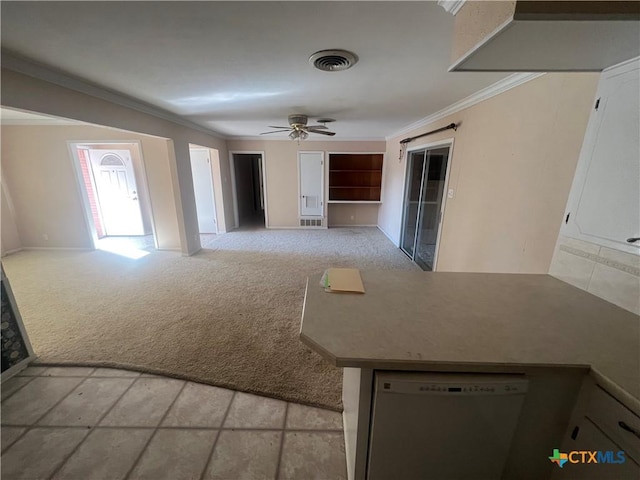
(452, 384)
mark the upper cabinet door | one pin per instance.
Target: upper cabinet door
(604, 204)
(311, 168)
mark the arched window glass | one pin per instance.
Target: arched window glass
(111, 160)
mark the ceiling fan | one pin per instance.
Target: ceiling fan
(299, 130)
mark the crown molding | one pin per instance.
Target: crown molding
(315, 139)
(497, 88)
(451, 6)
(41, 122)
(33, 69)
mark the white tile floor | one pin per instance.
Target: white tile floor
(98, 423)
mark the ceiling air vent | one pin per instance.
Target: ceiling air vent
(333, 60)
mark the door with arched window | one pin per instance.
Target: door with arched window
(117, 191)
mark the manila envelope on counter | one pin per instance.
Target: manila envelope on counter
(344, 280)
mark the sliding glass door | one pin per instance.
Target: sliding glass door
(424, 190)
(413, 190)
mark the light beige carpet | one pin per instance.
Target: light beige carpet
(228, 316)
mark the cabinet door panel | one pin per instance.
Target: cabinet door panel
(590, 438)
(604, 205)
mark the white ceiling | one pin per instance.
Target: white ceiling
(236, 67)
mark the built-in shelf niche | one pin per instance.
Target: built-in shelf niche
(355, 177)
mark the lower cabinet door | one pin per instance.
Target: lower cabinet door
(590, 438)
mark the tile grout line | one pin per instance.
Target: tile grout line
(82, 376)
(215, 441)
(178, 427)
(91, 429)
(7, 447)
(35, 423)
(64, 397)
(284, 428)
(27, 428)
(157, 427)
(151, 375)
(18, 389)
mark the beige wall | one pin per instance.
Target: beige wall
(28, 93)
(346, 214)
(281, 173)
(39, 173)
(10, 239)
(513, 161)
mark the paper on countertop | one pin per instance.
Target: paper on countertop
(342, 280)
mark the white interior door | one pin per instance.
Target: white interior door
(117, 191)
(311, 168)
(203, 190)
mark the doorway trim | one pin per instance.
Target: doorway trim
(263, 164)
(447, 142)
(142, 184)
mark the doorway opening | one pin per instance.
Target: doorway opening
(203, 190)
(117, 206)
(248, 189)
(426, 179)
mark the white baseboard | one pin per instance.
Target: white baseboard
(351, 225)
(388, 236)
(296, 227)
(168, 250)
(66, 249)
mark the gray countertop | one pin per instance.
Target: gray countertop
(433, 319)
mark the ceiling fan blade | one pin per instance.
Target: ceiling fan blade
(275, 131)
(273, 126)
(330, 134)
(317, 127)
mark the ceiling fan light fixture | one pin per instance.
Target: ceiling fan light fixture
(299, 130)
(297, 134)
(333, 60)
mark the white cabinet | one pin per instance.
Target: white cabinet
(604, 204)
(601, 424)
(590, 438)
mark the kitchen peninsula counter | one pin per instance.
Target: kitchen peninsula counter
(555, 335)
(434, 319)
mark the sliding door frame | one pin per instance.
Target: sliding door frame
(448, 142)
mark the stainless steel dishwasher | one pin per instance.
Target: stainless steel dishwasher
(443, 426)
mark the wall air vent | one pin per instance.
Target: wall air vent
(333, 60)
(311, 222)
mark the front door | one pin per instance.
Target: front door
(117, 191)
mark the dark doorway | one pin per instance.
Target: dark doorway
(249, 189)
